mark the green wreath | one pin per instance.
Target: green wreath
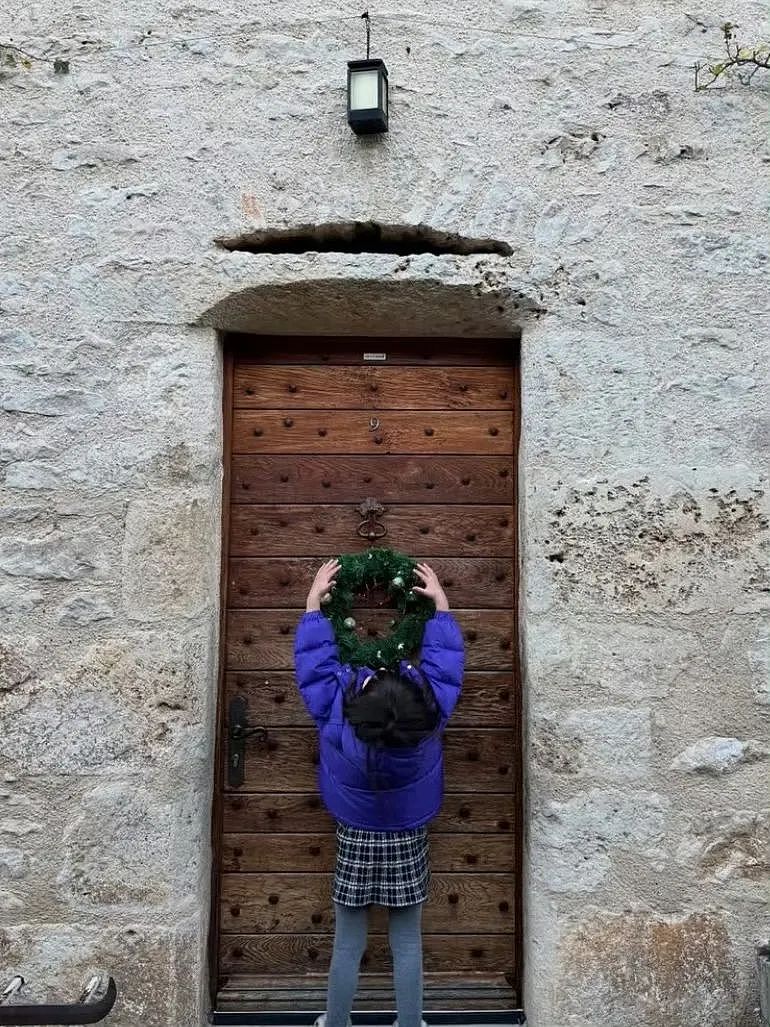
(358, 573)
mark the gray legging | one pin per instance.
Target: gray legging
(405, 936)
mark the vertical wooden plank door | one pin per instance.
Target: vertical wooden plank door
(429, 429)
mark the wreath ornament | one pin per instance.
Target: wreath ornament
(358, 573)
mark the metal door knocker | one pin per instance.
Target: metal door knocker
(370, 527)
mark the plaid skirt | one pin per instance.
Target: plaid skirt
(383, 868)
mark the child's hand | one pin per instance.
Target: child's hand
(322, 583)
(431, 586)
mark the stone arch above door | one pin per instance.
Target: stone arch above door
(372, 294)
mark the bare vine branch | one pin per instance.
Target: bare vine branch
(744, 61)
(11, 55)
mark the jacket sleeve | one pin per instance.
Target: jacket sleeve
(319, 673)
(442, 660)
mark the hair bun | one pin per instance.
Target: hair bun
(390, 712)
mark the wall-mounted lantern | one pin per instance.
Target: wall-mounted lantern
(368, 96)
(368, 91)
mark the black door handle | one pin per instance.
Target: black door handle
(238, 732)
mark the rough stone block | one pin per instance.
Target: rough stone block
(727, 844)
(18, 827)
(719, 755)
(22, 835)
(50, 402)
(626, 544)
(169, 563)
(611, 744)
(127, 703)
(96, 155)
(573, 841)
(616, 742)
(648, 969)
(555, 748)
(11, 514)
(759, 660)
(81, 733)
(91, 84)
(725, 252)
(81, 610)
(663, 149)
(578, 657)
(12, 862)
(63, 559)
(14, 669)
(122, 849)
(27, 474)
(190, 964)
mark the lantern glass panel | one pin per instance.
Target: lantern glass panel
(364, 90)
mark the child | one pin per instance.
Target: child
(381, 778)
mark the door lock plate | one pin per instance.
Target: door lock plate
(238, 733)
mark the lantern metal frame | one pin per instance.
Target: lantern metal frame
(370, 120)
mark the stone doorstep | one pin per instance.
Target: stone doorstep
(501, 1018)
(380, 1022)
(358, 1022)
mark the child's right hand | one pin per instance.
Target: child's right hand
(322, 583)
(431, 586)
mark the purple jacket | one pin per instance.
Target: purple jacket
(388, 789)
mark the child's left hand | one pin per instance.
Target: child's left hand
(322, 584)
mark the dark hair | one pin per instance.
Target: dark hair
(391, 712)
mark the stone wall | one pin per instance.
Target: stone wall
(570, 131)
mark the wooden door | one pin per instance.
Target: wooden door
(429, 428)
